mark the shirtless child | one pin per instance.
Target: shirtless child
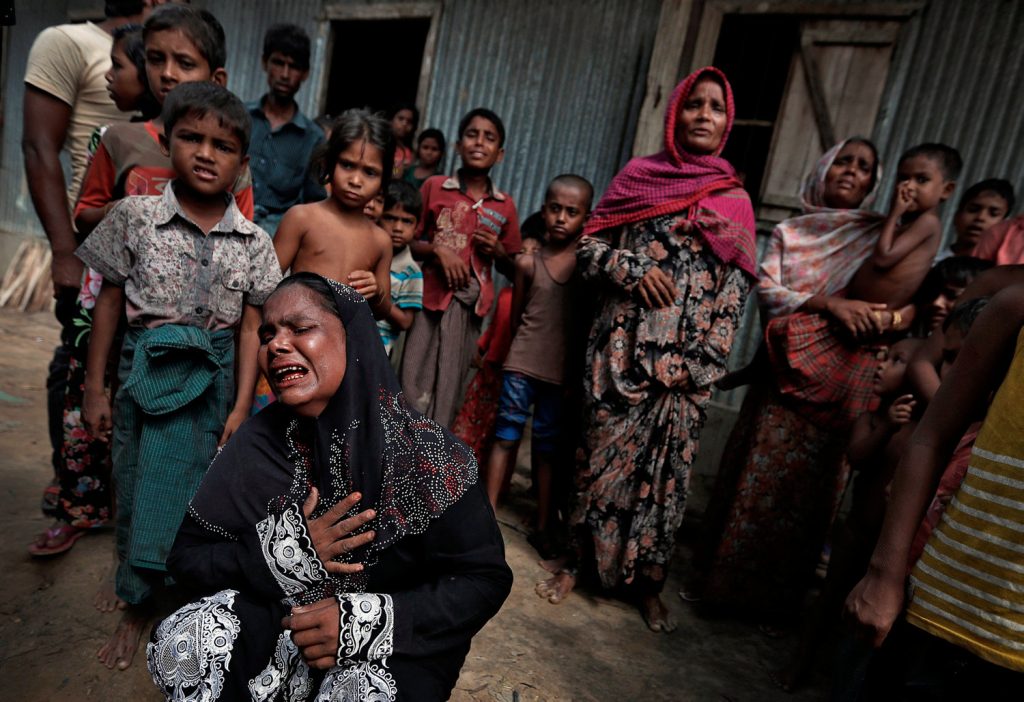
(333, 237)
(925, 178)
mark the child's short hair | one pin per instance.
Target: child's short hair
(533, 227)
(201, 27)
(435, 134)
(490, 116)
(288, 40)
(123, 8)
(202, 98)
(963, 315)
(404, 195)
(573, 181)
(130, 36)
(352, 126)
(955, 271)
(947, 157)
(1002, 188)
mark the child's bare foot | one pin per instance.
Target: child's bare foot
(656, 614)
(106, 599)
(120, 650)
(556, 588)
(553, 565)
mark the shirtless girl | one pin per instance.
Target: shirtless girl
(333, 237)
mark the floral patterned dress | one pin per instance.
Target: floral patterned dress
(649, 380)
(84, 499)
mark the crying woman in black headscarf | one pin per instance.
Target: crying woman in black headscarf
(343, 545)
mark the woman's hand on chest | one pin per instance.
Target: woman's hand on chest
(332, 532)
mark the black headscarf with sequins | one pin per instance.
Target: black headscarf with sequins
(407, 467)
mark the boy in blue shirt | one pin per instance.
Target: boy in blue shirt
(283, 139)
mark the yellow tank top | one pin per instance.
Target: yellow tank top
(968, 586)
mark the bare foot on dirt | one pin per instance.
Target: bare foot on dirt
(553, 565)
(124, 642)
(106, 599)
(556, 588)
(656, 615)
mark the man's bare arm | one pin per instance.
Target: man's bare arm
(46, 121)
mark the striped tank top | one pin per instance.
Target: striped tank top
(968, 586)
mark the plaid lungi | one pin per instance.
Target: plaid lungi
(816, 362)
(176, 389)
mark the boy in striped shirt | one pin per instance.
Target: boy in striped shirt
(964, 625)
(403, 207)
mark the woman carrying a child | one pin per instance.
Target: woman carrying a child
(670, 248)
(782, 472)
(343, 545)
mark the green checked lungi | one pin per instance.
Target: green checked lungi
(177, 388)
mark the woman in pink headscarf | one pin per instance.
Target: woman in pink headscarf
(670, 252)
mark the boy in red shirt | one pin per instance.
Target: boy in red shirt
(467, 226)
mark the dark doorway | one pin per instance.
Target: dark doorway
(375, 63)
(755, 52)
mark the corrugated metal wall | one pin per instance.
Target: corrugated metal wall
(566, 78)
(565, 81)
(958, 78)
(245, 22)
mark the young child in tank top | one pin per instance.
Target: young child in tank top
(534, 367)
(475, 422)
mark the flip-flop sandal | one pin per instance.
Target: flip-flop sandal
(68, 535)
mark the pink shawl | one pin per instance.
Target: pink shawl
(675, 180)
(818, 252)
(1003, 243)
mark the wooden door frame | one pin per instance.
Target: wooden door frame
(714, 12)
(338, 10)
(687, 36)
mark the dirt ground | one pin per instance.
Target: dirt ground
(587, 648)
